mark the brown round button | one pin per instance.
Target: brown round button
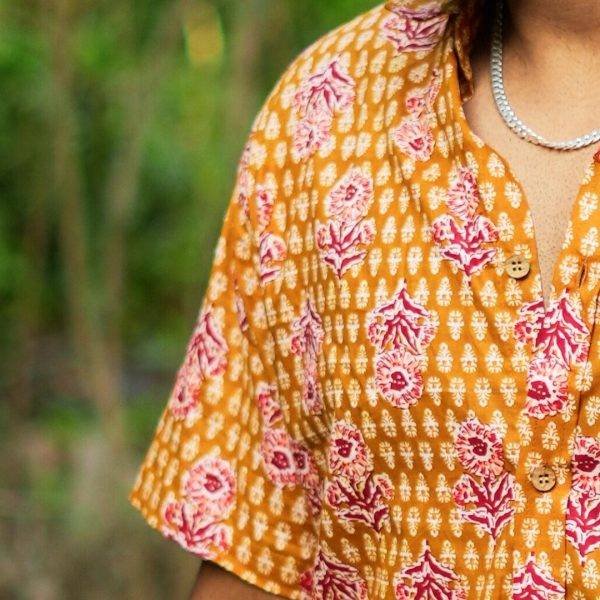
(543, 478)
(518, 266)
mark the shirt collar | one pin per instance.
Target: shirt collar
(464, 20)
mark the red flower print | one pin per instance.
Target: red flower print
(205, 356)
(583, 523)
(211, 485)
(563, 333)
(530, 582)
(479, 449)
(317, 99)
(529, 323)
(312, 394)
(412, 30)
(487, 504)
(401, 322)
(310, 133)
(278, 457)
(330, 579)
(463, 245)
(413, 137)
(189, 526)
(420, 102)
(288, 463)
(264, 206)
(361, 501)
(209, 345)
(348, 454)
(398, 377)
(271, 251)
(330, 89)
(306, 469)
(586, 465)
(427, 579)
(266, 398)
(307, 335)
(559, 332)
(351, 196)
(342, 243)
(546, 387)
(184, 398)
(463, 195)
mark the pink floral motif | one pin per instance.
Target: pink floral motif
(211, 485)
(411, 30)
(271, 252)
(427, 579)
(586, 465)
(312, 394)
(530, 582)
(278, 457)
(401, 322)
(266, 398)
(205, 356)
(289, 463)
(330, 579)
(560, 339)
(479, 449)
(420, 102)
(546, 387)
(463, 245)
(463, 195)
(583, 523)
(529, 323)
(317, 99)
(492, 500)
(351, 196)
(265, 202)
(306, 340)
(348, 454)
(463, 234)
(184, 398)
(342, 243)
(209, 345)
(414, 137)
(398, 377)
(190, 527)
(311, 133)
(307, 334)
(560, 332)
(361, 501)
(330, 89)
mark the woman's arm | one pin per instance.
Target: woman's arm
(214, 583)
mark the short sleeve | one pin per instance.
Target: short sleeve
(223, 476)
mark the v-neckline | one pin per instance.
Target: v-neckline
(589, 172)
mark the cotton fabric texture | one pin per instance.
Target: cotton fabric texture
(368, 389)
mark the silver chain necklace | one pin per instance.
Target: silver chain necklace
(506, 110)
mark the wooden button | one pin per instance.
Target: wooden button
(543, 478)
(518, 266)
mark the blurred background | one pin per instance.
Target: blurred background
(121, 124)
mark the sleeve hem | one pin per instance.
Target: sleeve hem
(227, 562)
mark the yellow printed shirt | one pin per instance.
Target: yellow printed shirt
(376, 402)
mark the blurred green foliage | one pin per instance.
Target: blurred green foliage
(121, 124)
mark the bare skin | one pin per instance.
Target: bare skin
(214, 583)
(552, 68)
(552, 62)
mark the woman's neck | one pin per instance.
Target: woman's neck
(552, 59)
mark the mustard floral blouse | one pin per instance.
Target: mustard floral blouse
(375, 401)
